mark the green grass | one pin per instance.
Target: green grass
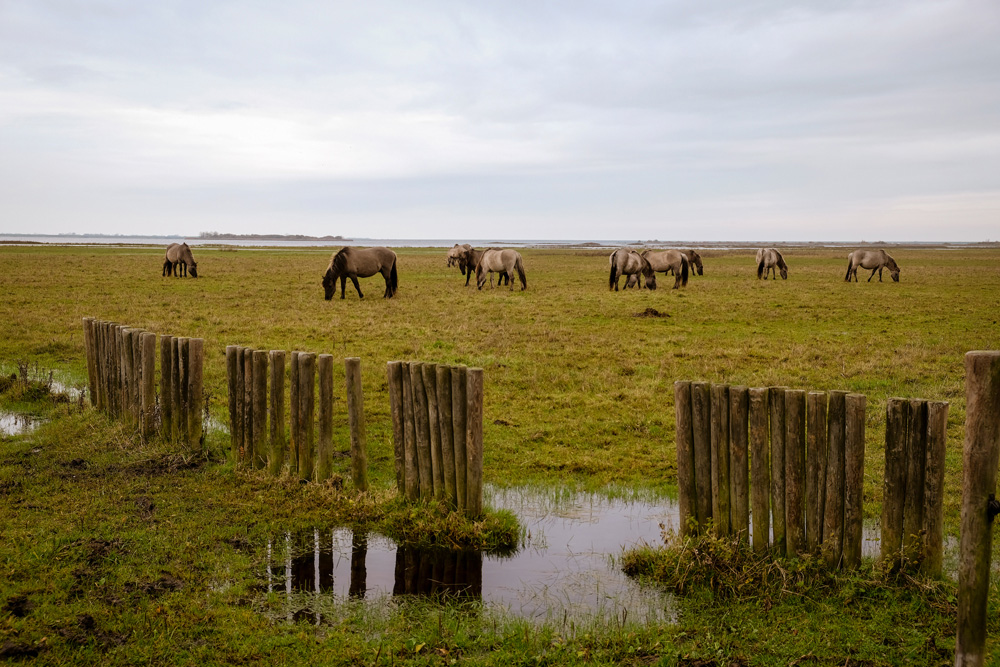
(578, 394)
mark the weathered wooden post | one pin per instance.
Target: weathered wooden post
(137, 377)
(411, 471)
(760, 486)
(293, 412)
(88, 351)
(459, 423)
(324, 446)
(776, 410)
(474, 442)
(232, 355)
(739, 470)
(278, 444)
(394, 372)
(306, 413)
(128, 367)
(980, 455)
(434, 430)
(148, 342)
(833, 511)
(184, 370)
(937, 435)
(249, 454)
(422, 426)
(701, 426)
(916, 460)
(196, 393)
(686, 500)
(854, 478)
(719, 433)
(445, 419)
(259, 358)
(816, 444)
(894, 484)
(795, 469)
(356, 419)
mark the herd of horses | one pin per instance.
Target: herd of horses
(638, 268)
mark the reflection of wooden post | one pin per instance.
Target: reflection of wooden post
(685, 459)
(776, 410)
(980, 454)
(916, 459)
(434, 430)
(356, 419)
(459, 421)
(306, 413)
(474, 442)
(293, 412)
(816, 443)
(324, 446)
(259, 409)
(795, 470)
(232, 356)
(894, 484)
(721, 502)
(701, 426)
(196, 393)
(937, 435)
(447, 437)
(411, 476)
(277, 358)
(739, 407)
(395, 382)
(854, 478)
(422, 427)
(833, 510)
(760, 473)
(148, 342)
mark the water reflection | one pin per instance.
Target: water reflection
(15, 423)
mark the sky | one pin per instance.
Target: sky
(732, 120)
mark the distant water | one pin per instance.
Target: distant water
(391, 243)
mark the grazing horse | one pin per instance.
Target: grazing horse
(875, 260)
(351, 262)
(627, 262)
(694, 260)
(178, 259)
(669, 261)
(457, 256)
(767, 260)
(470, 260)
(507, 261)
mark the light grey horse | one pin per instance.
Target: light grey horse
(669, 261)
(627, 262)
(456, 255)
(504, 261)
(351, 263)
(767, 260)
(876, 260)
(178, 259)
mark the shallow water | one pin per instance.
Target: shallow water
(15, 423)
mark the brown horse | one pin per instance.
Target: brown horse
(875, 260)
(470, 260)
(504, 261)
(767, 260)
(694, 260)
(669, 261)
(354, 262)
(627, 262)
(178, 259)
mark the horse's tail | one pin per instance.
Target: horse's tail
(850, 262)
(684, 270)
(614, 271)
(393, 278)
(760, 269)
(519, 265)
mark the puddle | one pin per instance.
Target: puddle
(14, 423)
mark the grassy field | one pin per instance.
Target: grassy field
(578, 392)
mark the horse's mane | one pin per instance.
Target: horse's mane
(339, 261)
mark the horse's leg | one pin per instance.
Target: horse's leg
(880, 274)
(343, 285)
(354, 279)
(873, 275)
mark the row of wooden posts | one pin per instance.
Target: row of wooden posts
(121, 374)
(252, 409)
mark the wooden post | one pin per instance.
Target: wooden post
(459, 422)
(444, 427)
(232, 356)
(913, 500)
(88, 351)
(980, 454)
(411, 476)
(277, 416)
(249, 452)
(95, 333)
(816, 443)
(128, 370)
(937, 435)
(114, 377)
(776, 409)
(324, 446)
(701, 428)
(306, 413)
(434, 430)
(474, 442)
(685, 459)
(196, 393)
(422, 427)
(795, 471)
(259, 409)
(894, 484)
(137, 377)
(854, 478)
(721, 502)
(175, 388)
(184, 355)
(148, 342)
(833, 511)
(293, 413)
(739, 470)
(760, 487)
(356, 418)
(394, 372)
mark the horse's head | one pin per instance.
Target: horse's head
(784, 271)
(329, 284)
(193, 269)
(890, 264)
(895, 275)
(695, 259)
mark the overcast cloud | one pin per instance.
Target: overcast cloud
(728, 120)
